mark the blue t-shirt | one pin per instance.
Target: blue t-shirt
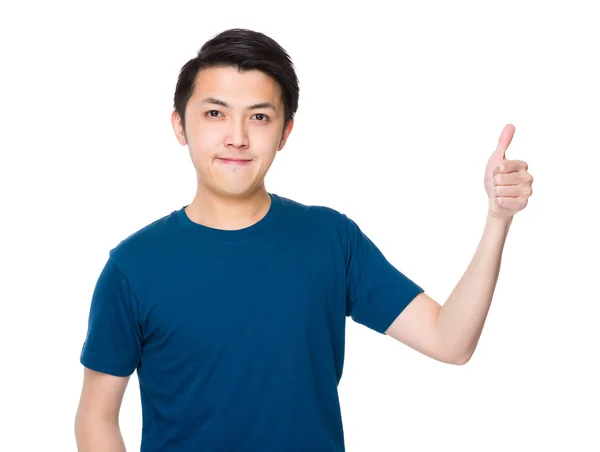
(237, 336)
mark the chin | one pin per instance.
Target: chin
(236, 191)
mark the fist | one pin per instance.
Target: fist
(508, 183)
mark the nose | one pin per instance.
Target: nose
(237, 136)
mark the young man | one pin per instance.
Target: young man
(232, 309)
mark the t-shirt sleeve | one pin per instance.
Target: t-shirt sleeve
(376, 291)
(113, 344)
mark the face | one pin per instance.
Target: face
(233, 129)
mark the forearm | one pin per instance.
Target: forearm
(461, 318)
(98, 435)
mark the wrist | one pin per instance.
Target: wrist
(493, 217)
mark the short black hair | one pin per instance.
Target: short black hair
(245, 50)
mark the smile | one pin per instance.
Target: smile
(235, 161)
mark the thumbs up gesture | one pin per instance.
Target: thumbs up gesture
(507, 182)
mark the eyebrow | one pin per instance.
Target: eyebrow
(212, 100)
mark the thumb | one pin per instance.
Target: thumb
(504, 141)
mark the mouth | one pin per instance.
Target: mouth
(235, 161)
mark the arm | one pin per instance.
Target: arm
(450, 333)
(97, 418)
(461, 319)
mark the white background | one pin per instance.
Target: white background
(401, 105)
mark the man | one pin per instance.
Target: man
(232, 309)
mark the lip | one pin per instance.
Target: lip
(235, 161)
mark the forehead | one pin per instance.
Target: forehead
(229, 83)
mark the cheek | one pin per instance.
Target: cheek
(200, 154)
(206, 137)
(203, 145)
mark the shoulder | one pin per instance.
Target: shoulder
(314, 213)
(144, 243)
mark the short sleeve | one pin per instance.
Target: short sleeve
(376, 292)
(113, 343)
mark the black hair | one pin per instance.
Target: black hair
(245, 50)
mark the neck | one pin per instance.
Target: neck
(228, 212)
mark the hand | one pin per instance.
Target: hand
(507, 182)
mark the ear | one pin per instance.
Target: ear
(286, 134)
(178, 128)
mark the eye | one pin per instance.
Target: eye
(208, 113)
(262, 115)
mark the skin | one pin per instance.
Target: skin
(97, 417)
(231, 196)
(450, 333)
